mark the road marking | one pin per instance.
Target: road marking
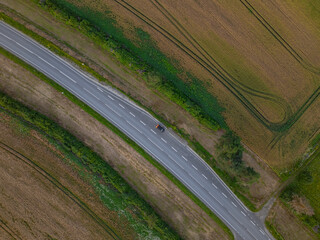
(204, 176)
(113, 110)
(69, 78)
(252, 222)
(133, 127)
(163, 140)
(184, 158)
(194, 167)
(214, 185)
(110, 97)
(262, 231)
(233, 204)
(243, 214)
(47, 62)
(91, 93)
(22, 46)
(224, 195)
(142, 122)
(153, 131)
(174, 149)
(176, 162)
(121, 105)
(155, 144)
(132, 114)
(216, 199)
(100, 90)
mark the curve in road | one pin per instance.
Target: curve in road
(137, 124)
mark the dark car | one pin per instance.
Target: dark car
(160, 128)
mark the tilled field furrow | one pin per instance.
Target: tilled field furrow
(280, 39)
(63, 189)
(226, 82)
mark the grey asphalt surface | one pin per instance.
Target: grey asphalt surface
(165, 147)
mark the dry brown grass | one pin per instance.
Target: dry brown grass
(187, 218)
(287, 224)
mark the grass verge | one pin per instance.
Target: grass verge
(120, 134)
(304, 191)
(273, 231)
(232, 182)
(124, 198)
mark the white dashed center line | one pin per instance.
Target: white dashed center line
(174, 149)
(132, 114)
(204, 176)
(163, 140)
(194, 167)
(214, 185)
(153, 131)
(110, 97)
(243, 213)
(100, 89)
(142, 122)
(252, 222)
(233, 204)
(224, 195)
(121, 105)
(261, 231)
(184, 158)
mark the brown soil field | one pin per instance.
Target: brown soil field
(267, 51)
(189, 220)
(287, 224)
(100, 60)
(34, 203)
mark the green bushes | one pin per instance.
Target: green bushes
(128, 199)
(230, 149)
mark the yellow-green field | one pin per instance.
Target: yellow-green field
(259, 59)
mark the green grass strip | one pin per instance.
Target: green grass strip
(194, 144)
(274, 231)
(102, 120)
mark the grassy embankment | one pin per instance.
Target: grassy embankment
(175, 93)
(57, 50)
(302, 195)
(112, 189)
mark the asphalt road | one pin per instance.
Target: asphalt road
(165, 147)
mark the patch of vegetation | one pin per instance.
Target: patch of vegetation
(143, 57)
(120, 134)
(153, 81)
(230, 151)
(306, 185)
(274, 231)
(109, 184)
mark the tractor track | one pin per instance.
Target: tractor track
(280, 39)
(62, 188)
(8, 230)
(227, 80)
(214, 71)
